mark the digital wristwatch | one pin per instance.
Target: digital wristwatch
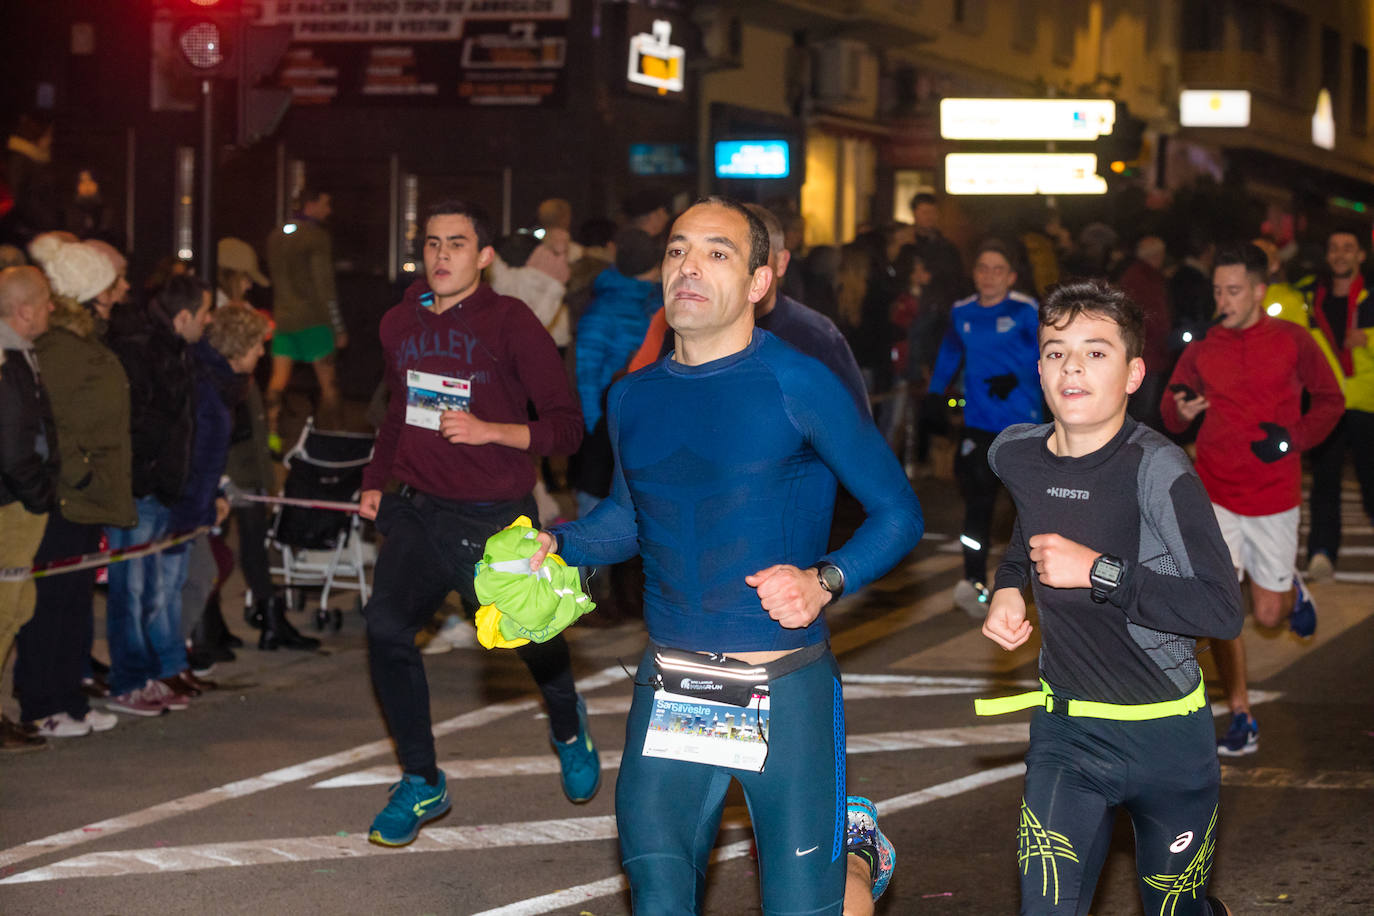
(1105, 576)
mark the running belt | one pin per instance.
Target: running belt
(1122, 712)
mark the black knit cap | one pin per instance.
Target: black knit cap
(636, 252)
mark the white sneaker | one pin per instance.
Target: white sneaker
(100, 721)
(61, 725)
(972, 598)
(456, 633)
(1319, 568)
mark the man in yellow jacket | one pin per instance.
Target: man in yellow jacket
(1342, 316)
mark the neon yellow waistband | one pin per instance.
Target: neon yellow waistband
(1122, 712)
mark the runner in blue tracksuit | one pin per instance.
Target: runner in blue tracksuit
(728, 454)
(992, 335)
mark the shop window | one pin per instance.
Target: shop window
(1065, 29)
(968, 15)
(1331, 63)
(1024, 26)
(1291, 26)
(1359, 90)
(1203, 25)
(1250, 22)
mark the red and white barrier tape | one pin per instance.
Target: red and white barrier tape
(103, 558)
(300, 503)
(107, 557)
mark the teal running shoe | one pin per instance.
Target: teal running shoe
(579, 760)
(864, 839)
(413, 804)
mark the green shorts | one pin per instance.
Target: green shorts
(307, 345)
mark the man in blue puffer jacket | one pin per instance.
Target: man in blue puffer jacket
(624, 297)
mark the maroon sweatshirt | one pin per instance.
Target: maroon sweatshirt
(500, 346)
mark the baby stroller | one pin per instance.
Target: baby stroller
(322, 547)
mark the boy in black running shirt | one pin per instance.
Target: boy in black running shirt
(1118, 541)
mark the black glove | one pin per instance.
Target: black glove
(1275, 445)
(1001, 386)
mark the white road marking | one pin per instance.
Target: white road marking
(856, 687)
(571, 830)
(275, 778)
(544, 764)
(1346, 530)
(1280, 778)
(1357, 551)
(1363, 577)
(933, 680)
(164, 859)
(536, 906)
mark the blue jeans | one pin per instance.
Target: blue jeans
(143, 627)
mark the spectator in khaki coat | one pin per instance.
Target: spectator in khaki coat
(90, 403)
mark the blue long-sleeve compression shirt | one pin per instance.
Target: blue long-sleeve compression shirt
(999, 350)
(727, 468)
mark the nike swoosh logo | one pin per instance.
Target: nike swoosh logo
(420, 806)
(807, 852)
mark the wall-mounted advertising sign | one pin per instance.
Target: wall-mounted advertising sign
(752, 159)
(475, 52)
(1023, 173)
(1214, 108)
(655, 61)
(1026, 119)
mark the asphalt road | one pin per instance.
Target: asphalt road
(257, 799)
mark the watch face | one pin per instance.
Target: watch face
(1106, 570)
(831, 578)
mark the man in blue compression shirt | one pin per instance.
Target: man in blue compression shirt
(727, 456)
(992, 335)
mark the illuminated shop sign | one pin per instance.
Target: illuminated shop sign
(752, 159)
(1023, 173)
(655, 61)
(1214, 108)
(1026, 119)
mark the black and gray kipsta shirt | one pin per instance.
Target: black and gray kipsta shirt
(1139, 499)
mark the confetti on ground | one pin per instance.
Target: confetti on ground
(941, 894)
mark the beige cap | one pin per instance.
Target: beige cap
(236, 254)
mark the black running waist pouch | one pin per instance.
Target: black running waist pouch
(713, 676)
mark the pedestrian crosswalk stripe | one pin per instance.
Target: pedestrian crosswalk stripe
(271, 780)
(1282, 778)
(546, 764)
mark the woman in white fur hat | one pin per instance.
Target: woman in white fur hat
(90, 403)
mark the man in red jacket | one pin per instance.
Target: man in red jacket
(463, 365)
(1249, 374)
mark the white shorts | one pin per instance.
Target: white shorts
(1264, 547)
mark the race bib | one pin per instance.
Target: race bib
(428, 395)
(704, 731)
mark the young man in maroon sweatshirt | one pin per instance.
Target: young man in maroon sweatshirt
(464, 365)
(1248, 375)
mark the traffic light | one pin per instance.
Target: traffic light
(1118, 153)
(205, 35)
